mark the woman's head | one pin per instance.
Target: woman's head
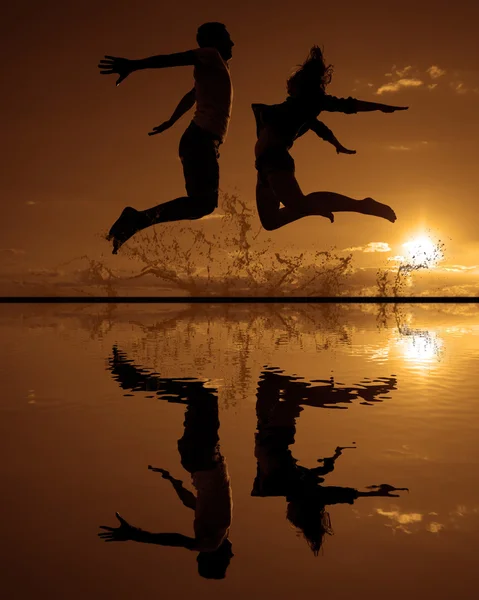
(310, 519)
(311, 78)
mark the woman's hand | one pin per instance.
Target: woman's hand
(389, 109)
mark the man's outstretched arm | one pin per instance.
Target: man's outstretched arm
(184, 105)
(126, 532)
(124, 66)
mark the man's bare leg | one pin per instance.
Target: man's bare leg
(132, 221)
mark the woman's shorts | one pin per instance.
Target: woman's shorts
(274, 159)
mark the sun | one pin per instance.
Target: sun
(423, 250)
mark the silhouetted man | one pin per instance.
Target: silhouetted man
(201, 456)
(199, 145)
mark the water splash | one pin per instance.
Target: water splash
(233, 259)
(394, 282)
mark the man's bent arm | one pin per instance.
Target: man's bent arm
(184, 105)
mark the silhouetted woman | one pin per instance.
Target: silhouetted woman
(279, 125)
(278, 405)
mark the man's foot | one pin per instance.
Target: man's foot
(377, 209)
(124, 228)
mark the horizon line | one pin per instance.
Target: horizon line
(238, 300)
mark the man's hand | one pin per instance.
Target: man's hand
(389, 109)
(118, 534)
(160, 128)
(342, 150)
(113, 64)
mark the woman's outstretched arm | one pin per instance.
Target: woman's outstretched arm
(353, 105)
(363, 106)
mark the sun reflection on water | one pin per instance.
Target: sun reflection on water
(423, 348)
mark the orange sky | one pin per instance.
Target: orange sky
(77, 149)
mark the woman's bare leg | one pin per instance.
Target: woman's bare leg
(339, 203)
(272, 215)
(282, 187)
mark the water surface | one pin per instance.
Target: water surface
(257, 394)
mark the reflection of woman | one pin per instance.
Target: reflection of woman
(201, 457)
(279, 125)
(278, 474)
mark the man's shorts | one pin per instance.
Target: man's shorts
(199, 154)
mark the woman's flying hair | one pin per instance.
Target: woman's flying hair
(310, 520)
(312, 76)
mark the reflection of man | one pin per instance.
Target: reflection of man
(278, 474)
(201, 457)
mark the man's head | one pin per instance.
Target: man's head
(213, 565)
(215, 35)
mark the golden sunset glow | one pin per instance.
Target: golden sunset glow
(423, 348)
(422, 250)
(93, 156)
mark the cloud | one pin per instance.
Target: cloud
(459, 87)
(409, 77)
(435, 72)
(400, 520)
(459, 268)
(371, 247)
(397, 258)
(402, 72)
(44, 272)
(12, 251)
(434, 527)
(395, 86)
(411, 146)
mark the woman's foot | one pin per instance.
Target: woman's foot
(377, 209)
(124, 228)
